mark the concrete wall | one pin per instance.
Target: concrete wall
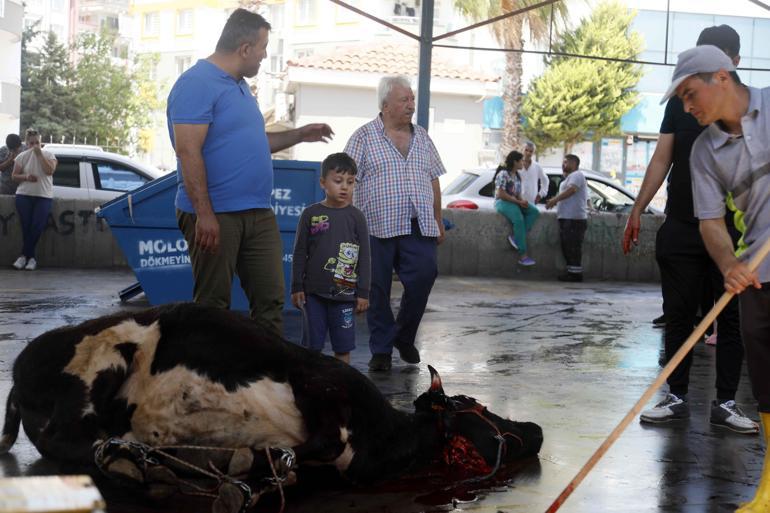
(478, 246)
(74, 236)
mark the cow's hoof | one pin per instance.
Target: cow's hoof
(230, 500)
(240, 463)
(125, 469)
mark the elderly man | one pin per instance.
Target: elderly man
(534, 181)
(730, 162)
(226, 175)
(397, 189)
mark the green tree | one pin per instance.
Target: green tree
(47, 94)
(577, 98)
(510, 34)
(114, 101)
(98, 100)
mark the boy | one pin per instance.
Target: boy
(330, 269)
(572, 213)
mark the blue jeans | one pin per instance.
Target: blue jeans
(338, 318)
(33, 214)
(413, 257)
(521, 218)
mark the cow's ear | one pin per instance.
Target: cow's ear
(435, 381)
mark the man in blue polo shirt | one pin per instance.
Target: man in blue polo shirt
(226, 174)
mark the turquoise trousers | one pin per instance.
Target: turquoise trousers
(521, 218)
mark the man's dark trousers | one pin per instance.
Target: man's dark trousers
(684, 268)
(413, 257)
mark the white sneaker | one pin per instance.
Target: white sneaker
(31, 264)
(20, 262)
(729, 415)
(670, 408)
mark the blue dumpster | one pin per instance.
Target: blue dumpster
(144, 224)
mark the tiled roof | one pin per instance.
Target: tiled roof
(390, 59)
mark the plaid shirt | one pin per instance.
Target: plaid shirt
(391, 188)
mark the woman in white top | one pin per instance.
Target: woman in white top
(33, 170)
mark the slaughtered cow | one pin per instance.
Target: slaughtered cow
(191, 375)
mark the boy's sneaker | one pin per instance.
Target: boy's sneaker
(31, 264)
(526, 262)
(20, 262)
(670, 408)
(729, 415)
(512, 241)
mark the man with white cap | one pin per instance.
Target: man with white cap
(685, 265)
(730, 161)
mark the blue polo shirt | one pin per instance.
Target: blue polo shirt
(236, 152)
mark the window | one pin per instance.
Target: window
(307, 11)
(112, 176)
(606, 198)
(67, 173)
(183, 62)
(184, 21)
(110, 23)
(57, 5)
(151, 22)
(460, 183)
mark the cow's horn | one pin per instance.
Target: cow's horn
(435, 381)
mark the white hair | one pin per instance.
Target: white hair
(530, 144)
(386, 86)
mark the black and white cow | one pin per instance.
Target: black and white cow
(188, 374)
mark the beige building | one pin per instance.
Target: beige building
(11, 25)
(340, 88)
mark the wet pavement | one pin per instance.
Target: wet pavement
(572, 358)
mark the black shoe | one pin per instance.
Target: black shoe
(380, 362)
(576, 277)
(659, 322)
(408, 352)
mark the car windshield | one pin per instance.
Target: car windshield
(607, 198)
(460, 183)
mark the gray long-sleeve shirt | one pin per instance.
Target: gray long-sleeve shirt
(331, 253)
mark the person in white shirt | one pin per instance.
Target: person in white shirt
(33, 170)
(534, 181)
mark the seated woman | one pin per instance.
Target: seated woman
(508, 202)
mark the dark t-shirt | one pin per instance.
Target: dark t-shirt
(685, 129)
(331, 253)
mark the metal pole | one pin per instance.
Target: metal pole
(423, 75)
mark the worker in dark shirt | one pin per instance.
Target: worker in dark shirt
(685, 265)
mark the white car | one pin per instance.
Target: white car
(474, 190)
(90, 173)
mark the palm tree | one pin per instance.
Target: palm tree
(509, 33)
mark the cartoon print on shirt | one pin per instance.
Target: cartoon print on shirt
(344, 267)
(319, 224)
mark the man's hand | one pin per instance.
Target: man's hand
(31, 178)
(315, 132)
(738, 277)
(441, 233)
(631, 233)
(537, 199)
(362, 304)
(207, 233)
(550, 203)
(298, 300)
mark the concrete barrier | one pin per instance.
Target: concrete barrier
(73, 237)
(478, 246)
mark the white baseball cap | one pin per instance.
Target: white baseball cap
(701, 59)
